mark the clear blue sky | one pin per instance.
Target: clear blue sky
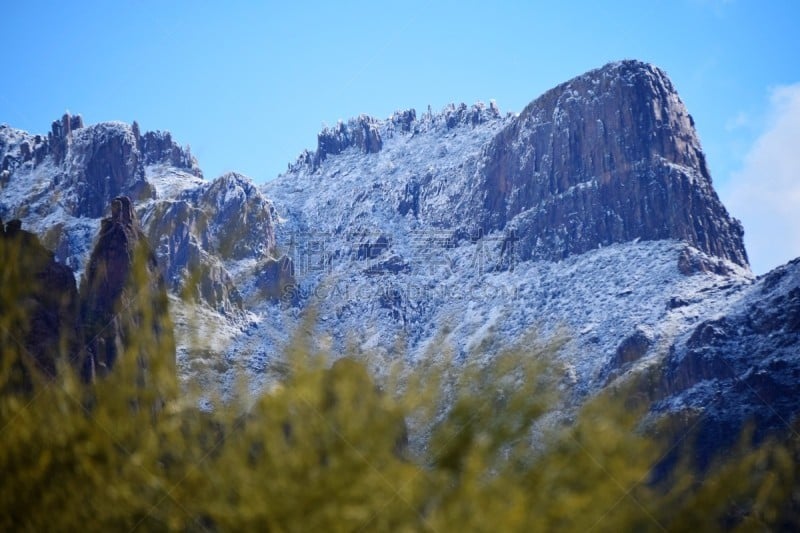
(249, 85)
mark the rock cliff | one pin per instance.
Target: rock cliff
(745, 362)
(610, 156)
(196, 232)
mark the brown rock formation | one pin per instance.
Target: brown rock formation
(121, 293)
(39, 307)
(59, 136)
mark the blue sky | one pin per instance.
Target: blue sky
(249, 85)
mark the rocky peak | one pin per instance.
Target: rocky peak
(241, 218)
(158, 147)
(91, 328)
(454, 115)
(227, 219)
(122, 211)
(111, 303)
(609, 156)
(60, 129)
(59, 135)
(361, 132)
(404, 119)
(104, 162)
(94, 163)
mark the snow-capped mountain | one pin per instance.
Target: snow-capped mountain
(591, 214)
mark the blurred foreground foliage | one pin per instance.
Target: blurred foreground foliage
(330, 449)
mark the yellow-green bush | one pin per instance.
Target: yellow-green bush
(329, 450)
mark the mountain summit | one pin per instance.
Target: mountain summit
(609, 156)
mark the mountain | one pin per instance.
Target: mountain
(590, 215)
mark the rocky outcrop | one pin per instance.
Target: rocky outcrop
(240, 217)
(159, 148)
(610, 156)
(91, 165)
(409, 202)
(194, 234)
(39, 305)
(60, 135)
(404, 120)
(746, 345)
(16, 149)
(104, 163)
(361, 132)
(743, 364)
(195, 226)
(365, 133)
(94, 164)
(122, 292)
(455, 115)
(181, 236)
(633, 348)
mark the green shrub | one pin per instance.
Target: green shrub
(430, 448)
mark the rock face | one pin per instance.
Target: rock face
(195, 233)
(157, 147)
(211, 239)
(745, 362)
(50, 319)
(39, 308)
(88, 166)
(240, 217)
(104, 162)
(122, 289)
(361, 132)
(275, 279)
(180, 232)
(60, 136)
(592, 210)
(607, 157)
